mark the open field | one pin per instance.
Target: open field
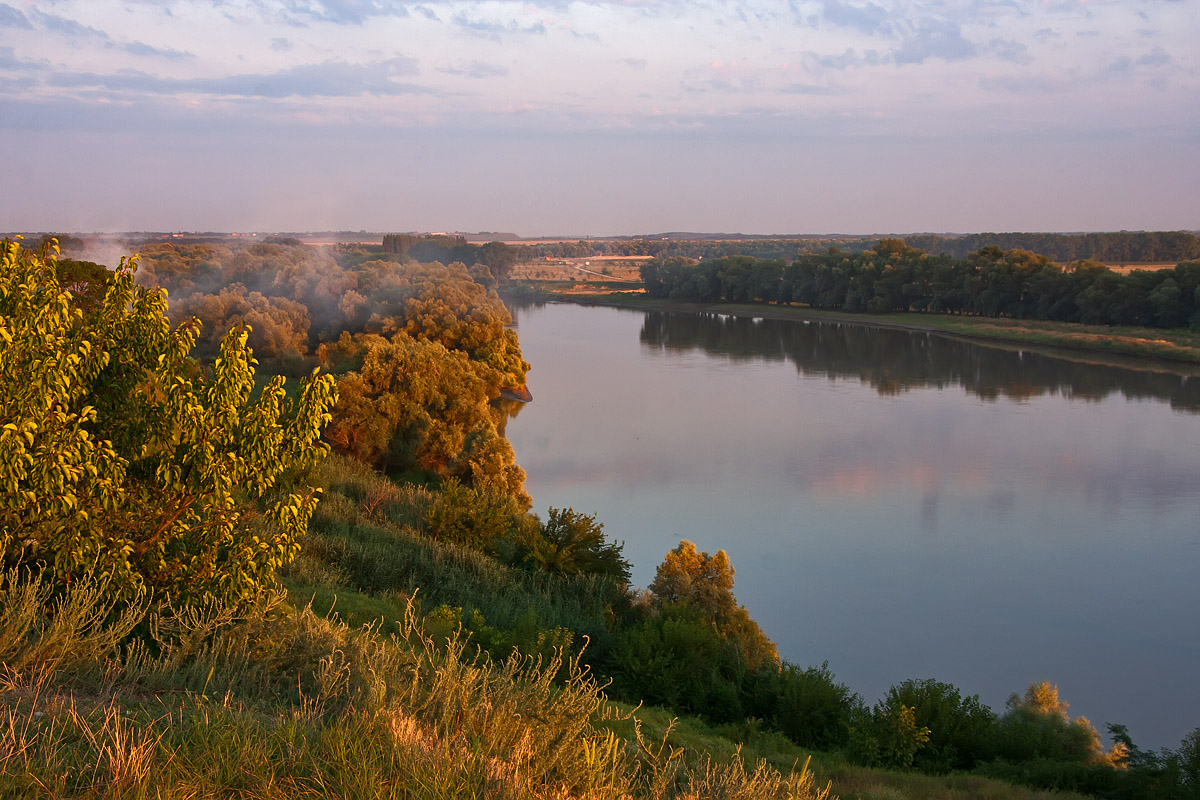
(590, 269)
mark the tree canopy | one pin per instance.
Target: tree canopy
(124, 458)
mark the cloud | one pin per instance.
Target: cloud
(1025, 86)
(494, 29)
(13, 18)
(9, 61)
(329, 79)
(635, 64)
(427, 12)
(143, 49)
(1155, 58)
(721, 76)
(934, 39)
(281, 44)
(868, 18)
(345, 12)
(67, 27)
(817, 62)
(806, 89)
(476, 69)
(1009, 50)
(1044, 34)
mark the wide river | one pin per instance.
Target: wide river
(899, 504)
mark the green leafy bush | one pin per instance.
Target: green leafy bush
(123, 458)
(962, 731)
(569, 543)
(812, 708)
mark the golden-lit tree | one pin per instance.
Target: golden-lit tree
(122, 457)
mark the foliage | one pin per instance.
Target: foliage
(692, 647)
(887, 735)
(122, 457)
(961, 730)
(895, 277)
(414, 403)
(695, 579)
(391, 554)
(1037, 726)
(569, 543)
(469, 517)
(278, 326)
(677, 659)
(812, 708)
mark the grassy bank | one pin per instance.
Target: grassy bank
(1175, 350)
(356, 684)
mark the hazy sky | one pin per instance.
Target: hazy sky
(552, 117)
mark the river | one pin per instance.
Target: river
(899, 504)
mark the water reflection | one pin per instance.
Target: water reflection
(895, 361)
(880, 516)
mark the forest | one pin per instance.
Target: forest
(1124, 247)
(357, 555)
(896, 277)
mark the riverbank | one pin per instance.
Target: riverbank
(1176, 350)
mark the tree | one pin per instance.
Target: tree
(701, 583)
(961, 730)
(1037, 725)
(695, 579)
(122, 457)
(414, 404)
(572, 543)
(812, 708)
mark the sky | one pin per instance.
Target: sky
(551, 117)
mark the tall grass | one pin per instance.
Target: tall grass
(365, 537)
(280, 702)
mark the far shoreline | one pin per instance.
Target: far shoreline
(1169, 351)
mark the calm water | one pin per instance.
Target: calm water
(899, 504)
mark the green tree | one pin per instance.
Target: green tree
(694, 580)
(122, 457)
(812, 708)
(572, 543)
(1037, 725)
(887, 735)
(962, 730)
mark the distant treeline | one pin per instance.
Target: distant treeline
(497, 256)
(691, 248)
(1124, 247)
(894, 277)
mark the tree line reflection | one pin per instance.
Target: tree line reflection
(895, 361)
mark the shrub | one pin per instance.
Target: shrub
(888, 735)
(123, 457)
(812, 708)
(961, 730)
(1037, 726)
(569, 543)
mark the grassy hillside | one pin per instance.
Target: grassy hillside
(384, 696)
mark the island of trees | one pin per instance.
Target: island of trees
(217, 581)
